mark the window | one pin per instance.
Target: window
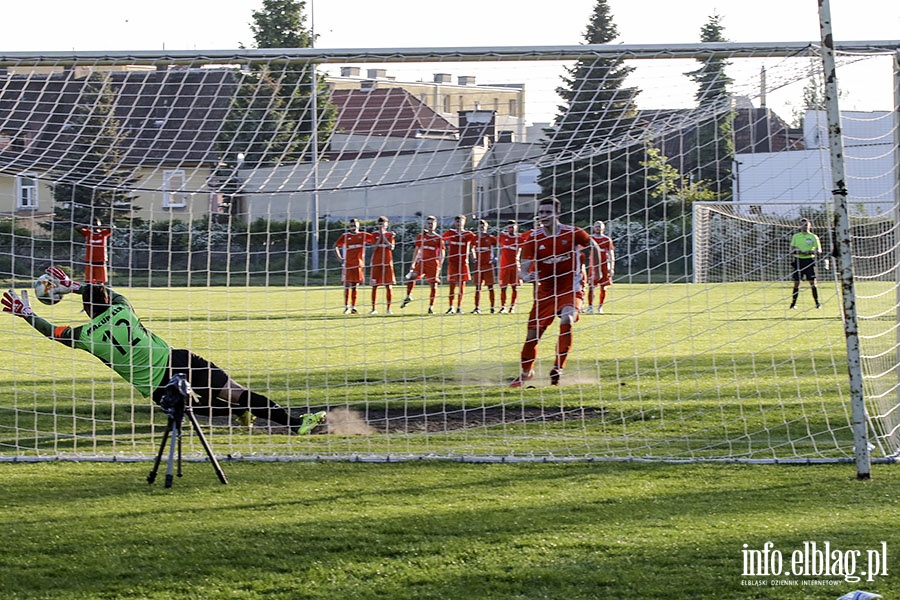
(513, 108)
(26, 192)
(174, 195)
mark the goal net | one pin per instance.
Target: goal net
(227, 181)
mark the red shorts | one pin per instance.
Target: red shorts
(547, 306)
(599, 277)
(455, 274)
(485, 276)
(95, 273)
(352, 275)
(509, 275)
(382, 275)
(429, 270)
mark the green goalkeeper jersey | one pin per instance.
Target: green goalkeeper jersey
(118, 338)
(806, 244)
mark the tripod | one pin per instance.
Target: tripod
(177, 403)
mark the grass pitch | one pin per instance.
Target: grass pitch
(437, 530)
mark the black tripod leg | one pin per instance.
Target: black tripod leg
(162, 446)
(215, 463)
(176, 435)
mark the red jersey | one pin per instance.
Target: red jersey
(354, 245)
(509, 249)
(382, 271)
(458, 244)
(484, 251)
(95, 239)
(430, 246)
(557, 258)
(606, 246)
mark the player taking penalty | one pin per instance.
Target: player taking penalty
(554, 250)
(116, 336)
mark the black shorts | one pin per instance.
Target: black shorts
(804, 268)
(206, 379)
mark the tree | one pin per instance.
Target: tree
(271, 117)
(94, 182)
(715, 140)
(595, 170)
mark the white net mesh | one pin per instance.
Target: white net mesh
(229, 182)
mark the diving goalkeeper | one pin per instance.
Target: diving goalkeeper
(116, 336)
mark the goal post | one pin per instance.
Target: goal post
(228, 177)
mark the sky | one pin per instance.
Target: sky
(86, 25)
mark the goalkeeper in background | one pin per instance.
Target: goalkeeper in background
(116, 336)
(805, 248)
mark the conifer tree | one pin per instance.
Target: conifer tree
(595, 172)
(714, 150)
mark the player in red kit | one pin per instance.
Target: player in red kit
(427, 261)
(458, 241)
(95, 237)
(351, 251)
(554, 250)
(600, 274)
(484, 264)
(508, 274)
(382, 270)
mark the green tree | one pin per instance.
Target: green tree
(271, 118)
(594, 171)
(714, 151)
(675, 191)
(93, 181)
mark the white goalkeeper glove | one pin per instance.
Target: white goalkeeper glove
(19, 307)
(66, 285)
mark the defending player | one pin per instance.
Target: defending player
(382, 270)
(509, 243)
(458, 241)
(351, 251)
(116, 336)
(485, 260)
(95, 258)
(427, 261)
(600, 275)
(554, 250)
(805, 248)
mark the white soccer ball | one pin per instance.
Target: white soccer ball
(47, 290)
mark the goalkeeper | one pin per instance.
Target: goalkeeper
(116, 336)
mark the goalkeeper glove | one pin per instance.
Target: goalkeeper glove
(19, 307)
(66, 285)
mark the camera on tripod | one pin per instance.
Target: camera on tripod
(177, 396)
(176, 402)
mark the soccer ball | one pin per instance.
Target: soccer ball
(47, 290)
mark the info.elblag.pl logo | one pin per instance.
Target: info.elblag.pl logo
(816, 559)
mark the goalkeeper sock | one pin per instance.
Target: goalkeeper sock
(794, 295)
(563, 345)
(815, 292)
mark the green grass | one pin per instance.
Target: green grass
(433, 530)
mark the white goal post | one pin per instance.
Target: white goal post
(228, 177)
